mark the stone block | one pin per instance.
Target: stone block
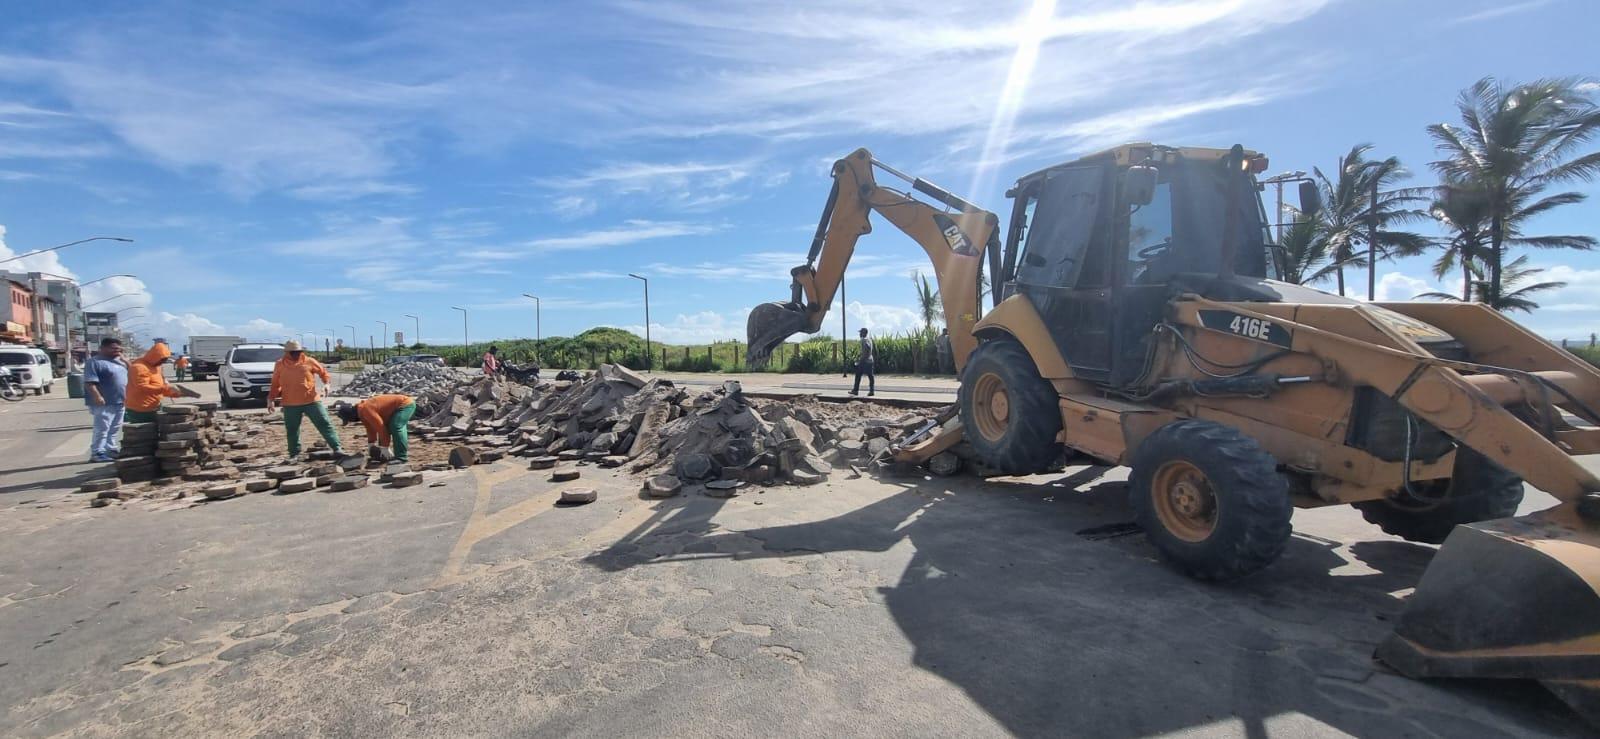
(98, 486)
(349, 482)
(406, 479)
(578, 496)
(260, 485)
(567, 474)
(225, 490)
(663, 486)
(542, 463)
(297, 485)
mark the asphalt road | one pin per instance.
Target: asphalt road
(889, 607)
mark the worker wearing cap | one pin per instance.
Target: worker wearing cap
(385, 418)
(294, 386)
(147, 386)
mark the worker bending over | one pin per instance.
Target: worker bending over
(385, 418)
(146, 385)
(294, 386)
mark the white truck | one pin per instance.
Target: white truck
(207, 354)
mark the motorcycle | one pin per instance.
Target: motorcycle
(11, 387)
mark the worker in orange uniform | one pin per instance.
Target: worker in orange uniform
(181, 366)
(146, 385)
(385, 418)
(294, 386)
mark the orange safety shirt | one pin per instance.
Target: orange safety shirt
(181, 363)
(295, 383)
(375, 413)
(146, 386)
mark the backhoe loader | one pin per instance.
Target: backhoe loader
(1135, 320)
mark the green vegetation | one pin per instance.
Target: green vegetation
(911, 353)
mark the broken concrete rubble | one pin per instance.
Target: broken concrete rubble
(615, 413)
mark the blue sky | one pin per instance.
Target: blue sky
(289, 167)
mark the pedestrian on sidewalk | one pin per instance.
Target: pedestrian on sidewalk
(147, 386)
(385, 418)
(491, 361)
(866, 364)
(105, 384)
(294, 386)
(941, 345)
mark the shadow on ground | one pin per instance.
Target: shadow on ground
(1053, 633)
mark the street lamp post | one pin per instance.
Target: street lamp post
(352, 336)
(465, 341)
(418, 337)
(385, 334)
(538, 328)
(647, 358)
(63, 246)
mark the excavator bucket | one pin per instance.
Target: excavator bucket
(768, 326)
(1510, 598)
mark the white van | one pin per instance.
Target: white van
(32, 366)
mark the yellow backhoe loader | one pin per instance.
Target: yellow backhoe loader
(1135, 319)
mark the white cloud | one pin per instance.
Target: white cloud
(1499, 11)
(770, 266)
(382, 235)
(588, 275)
(333, 292)
(691, 186)
(1397, 287)
(630, 232)
(261, 328)
(352, 190)
(572, 207)
(703, 327)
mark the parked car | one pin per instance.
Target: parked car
(398, 359)
(31, 367)
(246, 373)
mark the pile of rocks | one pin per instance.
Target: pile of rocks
(616, 417)
(429, 384)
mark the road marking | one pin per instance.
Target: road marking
(76, 446)
(481, 526)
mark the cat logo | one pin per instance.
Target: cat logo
(954, 235)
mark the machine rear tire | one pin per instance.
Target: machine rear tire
(1210, 499)
(1010, 414)
(1478, 490)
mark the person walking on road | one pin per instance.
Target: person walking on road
(866, 364)
(147, 386)
(385, 418)
(294, 386)
(491, 361)
(105, 383)
(180, 367)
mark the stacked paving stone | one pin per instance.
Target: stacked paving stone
(137, 462)
(190, 445)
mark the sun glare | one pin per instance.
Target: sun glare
(1031, 32)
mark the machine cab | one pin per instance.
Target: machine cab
(1100, 245)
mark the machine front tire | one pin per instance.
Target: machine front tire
(1010, 414)
(1210, 499)
(1478, 490)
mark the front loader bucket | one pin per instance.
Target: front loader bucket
(1510, 598)
(768, 326)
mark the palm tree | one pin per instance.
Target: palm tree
(1513, 275)
(929, 304)
(1463, 211)
(1513, 145)
(1348, 212)
(1305, 255)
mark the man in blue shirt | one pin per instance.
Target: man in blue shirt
(105, 383)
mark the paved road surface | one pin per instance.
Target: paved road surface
(895, 607)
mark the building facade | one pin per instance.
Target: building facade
(16, 314)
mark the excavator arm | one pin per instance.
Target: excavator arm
(955, 238)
